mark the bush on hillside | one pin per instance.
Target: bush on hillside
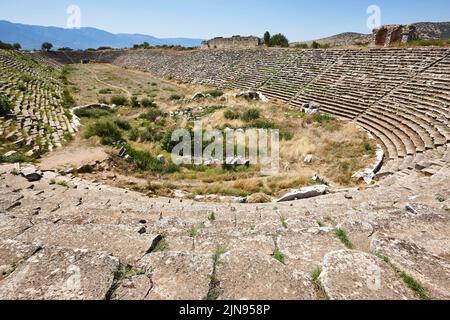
(5, 106)
(250, 115)
(119, 100)
(107, 130)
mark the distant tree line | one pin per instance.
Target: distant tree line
(277, 40)
(7, 46)
(147, 45)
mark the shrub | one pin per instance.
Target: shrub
(152, 115)
(105, 91)
(279, 40)
(264, 124)
(301, 46)
(67, 100)
(232, 115)
(107, 130)
(92, 113)
(144, 161)
(315, 45)
(267, 38)
(214, 93)
(147, 103)
(119, 100)
(134, 134)
(175, 97)
(122, 124)
(5, 106)
(251, 114)
(135, 102)
(25, 78)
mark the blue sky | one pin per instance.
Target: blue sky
(298, 19)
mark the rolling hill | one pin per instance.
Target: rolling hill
(425, 30)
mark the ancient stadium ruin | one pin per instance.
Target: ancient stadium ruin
(65, 236)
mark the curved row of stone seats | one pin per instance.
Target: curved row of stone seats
(418, 111)
(40, 120)
(45, 229)
(303, 69)
(362, 77)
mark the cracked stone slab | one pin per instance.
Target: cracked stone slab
(248, 275)
(61, 274)
(12, 253)
(135, 288)
(431, 271)
(208, 240)
(11, 227)
(306, 250)
(356, 275)
(118, 240)
(178, 275)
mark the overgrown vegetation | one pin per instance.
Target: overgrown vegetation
(107, 130)
(5, 106)
(93, 112)
(214, 282)
(119, 100)
(315, 276)
(410, 282)
(342, 236)
(279, 40)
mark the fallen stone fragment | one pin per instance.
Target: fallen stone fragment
(31, 174)
(304, 193)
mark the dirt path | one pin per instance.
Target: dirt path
(128, 93)
(78, 153)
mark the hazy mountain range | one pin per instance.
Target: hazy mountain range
(31, 37)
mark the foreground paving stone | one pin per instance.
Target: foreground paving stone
(355, 275)
(431, 271)
(10, 226)
(12, 253)
(56, 273)
(136, 288)
(306, 250)
(253, 275)
(178, 275)
(120, 241)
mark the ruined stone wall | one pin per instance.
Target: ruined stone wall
(394, 34)
(233, 42)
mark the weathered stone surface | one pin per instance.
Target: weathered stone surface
(252, 275)
(178, 275)
(134, 288)
(55, 273)
(123, 242)
(12, 254)
(306, 250)
(431, 271)
(355, 275)
(11, 227)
